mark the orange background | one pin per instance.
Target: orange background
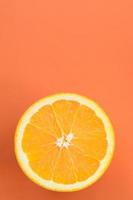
(79, 46)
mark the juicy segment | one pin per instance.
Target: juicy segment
(70, 163)
(65, 113)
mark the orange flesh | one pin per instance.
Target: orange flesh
(65, 164)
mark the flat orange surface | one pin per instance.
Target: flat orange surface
(84, 47)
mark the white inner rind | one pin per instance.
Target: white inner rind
(22, 158)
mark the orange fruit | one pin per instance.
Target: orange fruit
(64, 142)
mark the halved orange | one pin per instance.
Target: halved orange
(64, 142)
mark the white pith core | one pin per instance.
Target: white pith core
(64, 141)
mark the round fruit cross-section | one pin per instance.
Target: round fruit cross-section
(64, 142)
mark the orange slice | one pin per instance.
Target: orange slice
(64, 142)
